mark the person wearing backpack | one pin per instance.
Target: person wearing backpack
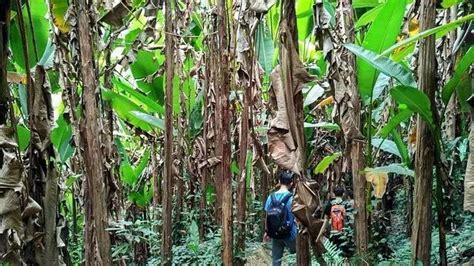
(336, 213)
(280, 224)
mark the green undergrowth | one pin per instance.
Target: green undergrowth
(457, 241)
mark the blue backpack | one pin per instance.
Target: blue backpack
(278, 224)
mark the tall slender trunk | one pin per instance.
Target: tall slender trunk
(4, 34)
(343, 80)
(208, 139)
(360, 200)
(97, 239)
(445, 62)
(217, 177)
(408, 184)
(441, 211)
(242, 191)
(448, 61)
(156, 173)
(223, 130)
(4, 93)
(469, 177)
(348, 103)
(181, 151)
(425, 150)
(113, 189)
(166, 242)
(245, 56)
(202, 205)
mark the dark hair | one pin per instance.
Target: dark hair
(338, 191)
(286, 177)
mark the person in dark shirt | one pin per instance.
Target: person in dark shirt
(278, 245)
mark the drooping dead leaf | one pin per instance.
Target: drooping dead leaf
(7, 139)
(343, 83)
(32, 207)
(13, 226)
(116, 15)
(379, 180)
(42, 119)
(10, 173)
(16, 78)
(286, 138)
(262, 6)
(43, 111)
(282, 143)
(305, 207)
(305, 204)
(329, 100)
(214, 161)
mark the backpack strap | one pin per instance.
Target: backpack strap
(273, 200)
(285, 199)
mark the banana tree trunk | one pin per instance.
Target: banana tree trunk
(223, 130)
(242, 191)
(346, 95)
(245, 56)
(425, 146)
(166, 241)
(4, 94)
(97, 239)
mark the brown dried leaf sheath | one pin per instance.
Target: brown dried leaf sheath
(286, 84)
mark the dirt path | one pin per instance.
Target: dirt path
(260, 256)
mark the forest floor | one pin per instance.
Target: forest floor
(260, 256)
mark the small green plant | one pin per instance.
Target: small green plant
(131, 235)
(194, 252)
(457, 241)
(333, 255)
